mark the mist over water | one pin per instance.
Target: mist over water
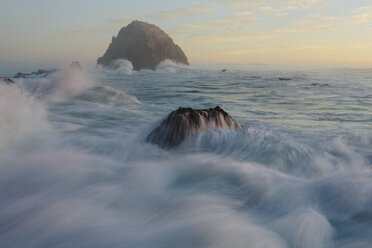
(75, 170)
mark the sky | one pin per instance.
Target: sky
(272, 32)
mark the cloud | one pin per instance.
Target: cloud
(303, 4)
(278, 48)
(361, 9)
(230, 37)
(238, 37)
(268, 9)
(305, 26)
(236, 19)
(240, 3)
(193, 10)
(363, 16)
(302, 1)
(361, 19)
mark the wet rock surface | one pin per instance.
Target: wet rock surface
(41, 72)
(185, 122)
(6, 80)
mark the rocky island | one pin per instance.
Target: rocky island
(144, 45)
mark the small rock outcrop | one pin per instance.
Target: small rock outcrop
(42, 73)
(185, 122)
(144, 45)
(6, 80)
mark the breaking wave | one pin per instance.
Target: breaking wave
(168, 66)
(120, 66)
(107, 95)
(20, 113)
(57, 86)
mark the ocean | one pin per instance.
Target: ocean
(75, 170)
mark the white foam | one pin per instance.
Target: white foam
(120, 66)
(63, 84)
(168, 66)
(305, 228)
(100, 186)
(108, 96)
(21, 115)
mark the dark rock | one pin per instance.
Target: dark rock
(144, 45)
(185, 122)
(284, 79)
(6, 80)
(40, 72)
(21, 75)
(320, 85)
(44, 72)
(75, 66)
(224, 70)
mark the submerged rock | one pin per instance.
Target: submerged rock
(144, 45)
(284, 79)
(185, 122)
(6, 80)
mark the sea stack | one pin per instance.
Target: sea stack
(144, 45)
(185, 122)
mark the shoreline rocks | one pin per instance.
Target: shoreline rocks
(44, 73)
(7, 80)
(40, 72)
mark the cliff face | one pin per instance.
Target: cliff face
(143, 44)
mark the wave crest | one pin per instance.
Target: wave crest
(107, 95)
(120, 66)
(21, 115)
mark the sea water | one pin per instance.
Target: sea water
(75, 170)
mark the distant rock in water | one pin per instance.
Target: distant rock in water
(144, 45)
(6, 80)
(284, 79)
(40, 72)
(75, 66)
(22, 75)
(185, 122)
(224, 70)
